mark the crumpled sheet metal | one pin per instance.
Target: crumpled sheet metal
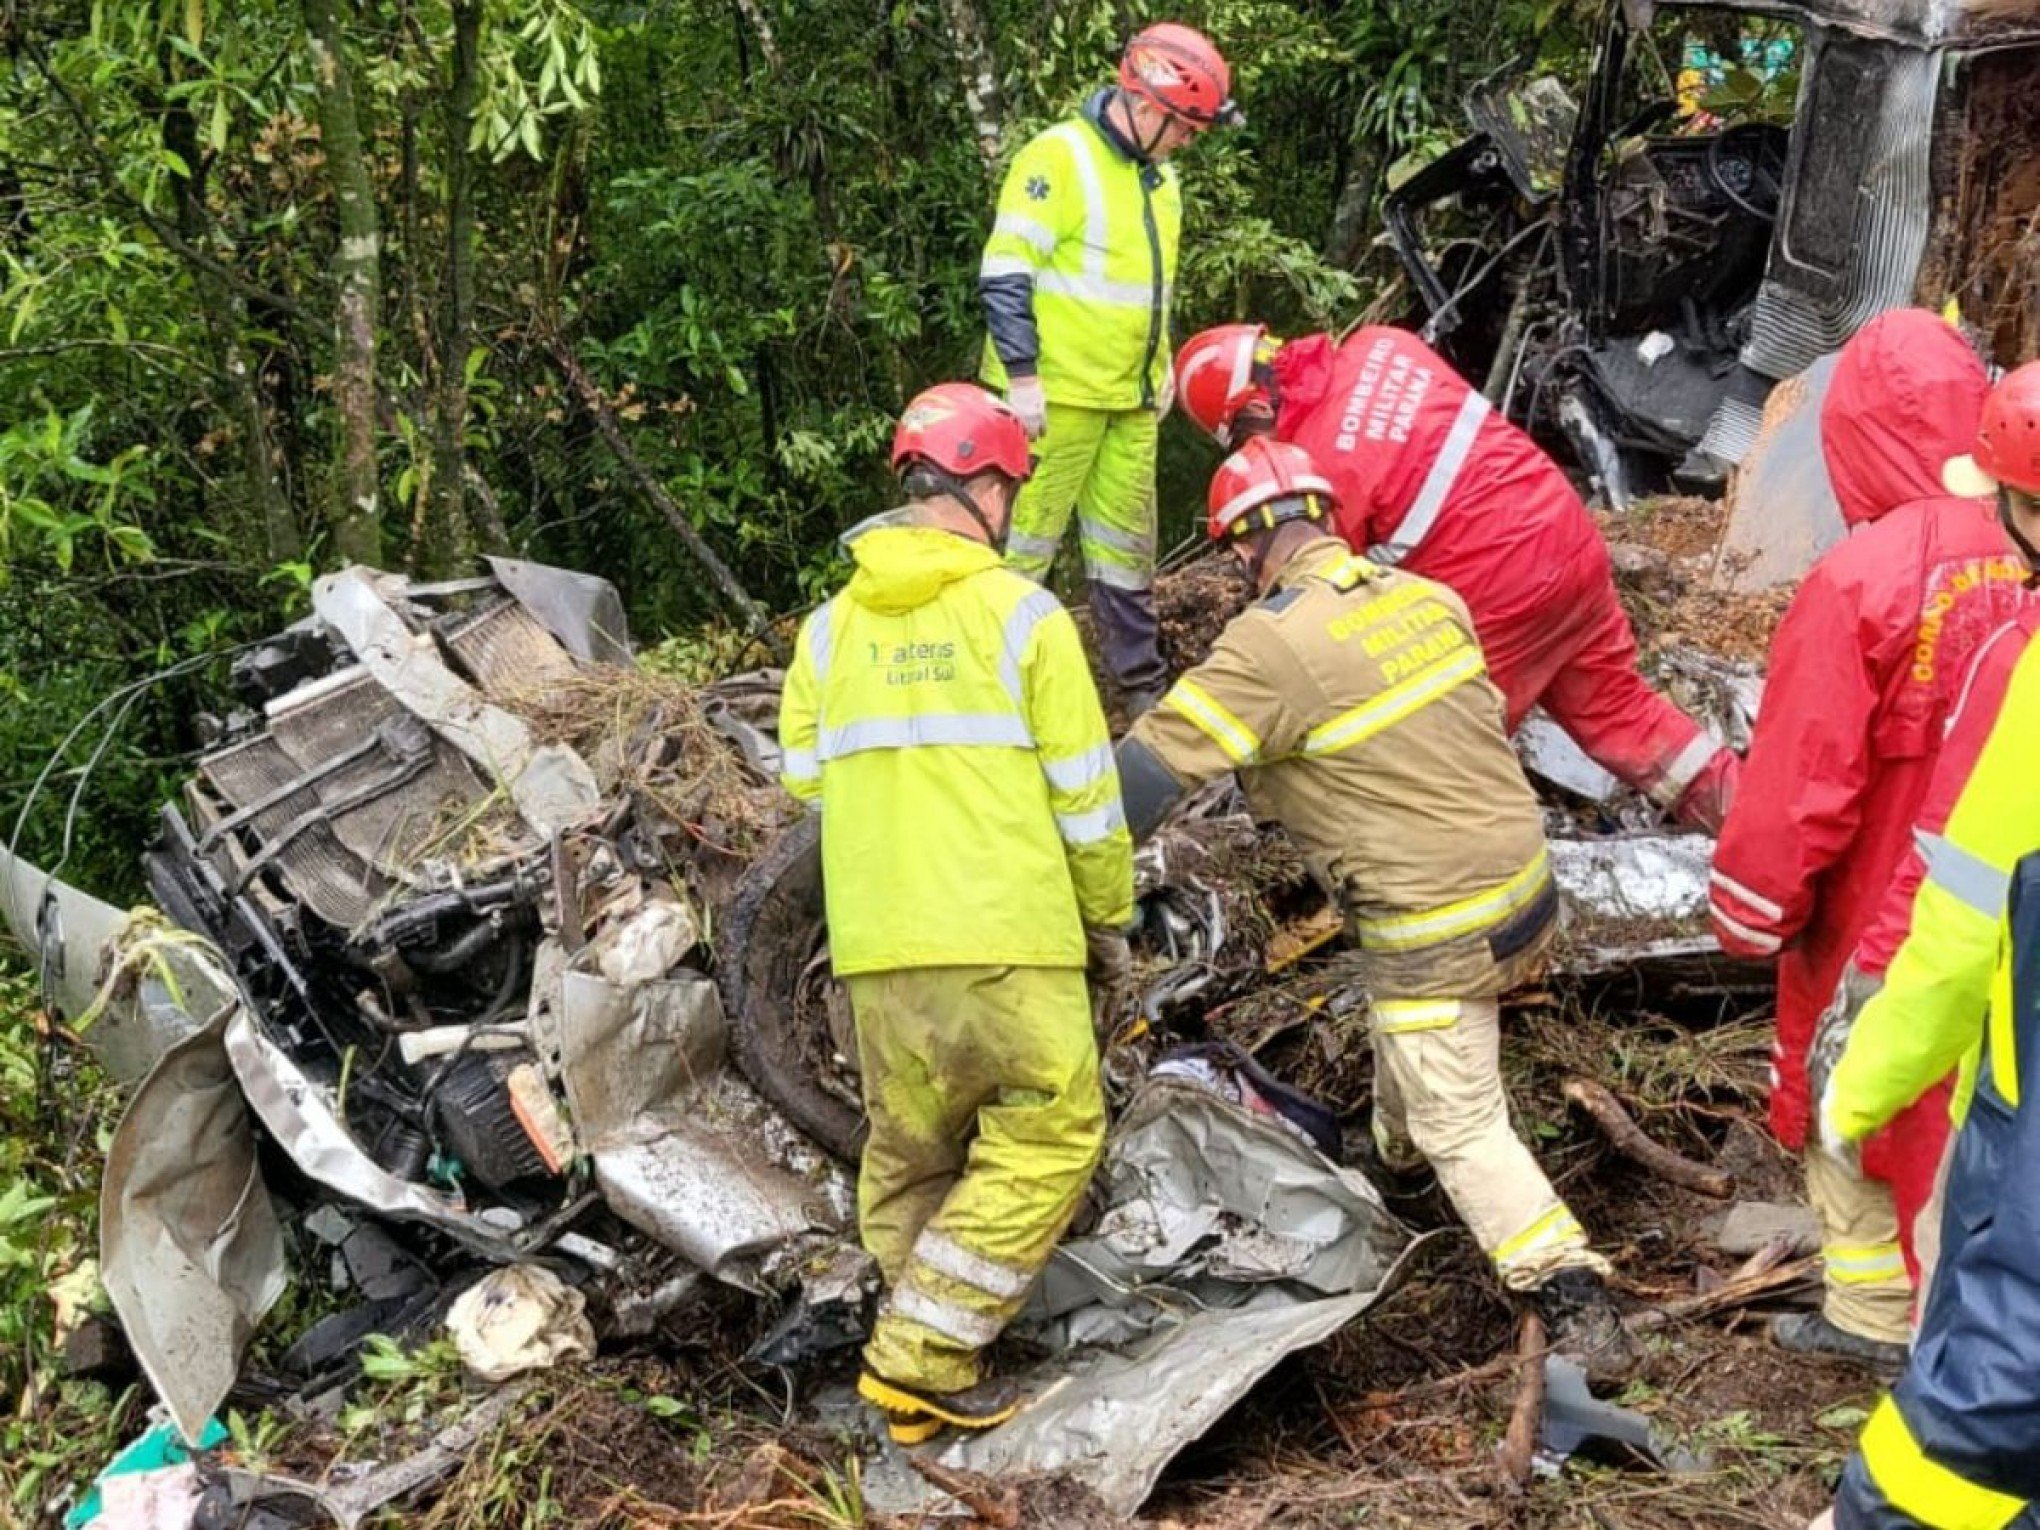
(551, 785)
(1549, 753)
(583, 611)
(1190, 1178)
(71, 938)
(300, 1115)
(1782, 512)
(1204, 1204)
(1635, 876)
(190, 1248)
(675, 1154)
(1929, 23)
(63, 929)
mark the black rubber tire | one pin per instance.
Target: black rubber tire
(771, 930)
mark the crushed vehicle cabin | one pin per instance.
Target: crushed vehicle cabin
(1732, 192)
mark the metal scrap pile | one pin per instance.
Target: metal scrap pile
(487, 914)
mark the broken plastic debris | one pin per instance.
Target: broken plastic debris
(158, 1451)
(517, 1319)
(1654, 347)
(1574, 1418)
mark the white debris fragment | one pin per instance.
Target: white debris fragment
(519, 1318)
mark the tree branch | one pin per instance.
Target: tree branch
(590, 398)
(165, 234)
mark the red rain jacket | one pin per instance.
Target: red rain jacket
(1432, 478)
(1864, 671)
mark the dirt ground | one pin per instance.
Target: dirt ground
(1664, 551)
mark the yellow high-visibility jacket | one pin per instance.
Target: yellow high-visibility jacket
(1077, 277)
(940, 712)
(1929, 1015)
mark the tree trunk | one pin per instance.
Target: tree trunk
(357, 273)
(979, 77)
(753, 11)
(448, 528)
(226, 316)
(1352, 214)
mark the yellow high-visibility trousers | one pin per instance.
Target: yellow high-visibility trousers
(1100, 463)
(987, 1121)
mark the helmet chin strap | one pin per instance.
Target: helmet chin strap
(2011, 524)
(956, 489)
(1148, 146)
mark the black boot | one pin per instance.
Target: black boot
(1581, 1323)
(1811, 1333)
(1411, 1191)
(913, 1414)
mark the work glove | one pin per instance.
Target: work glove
(1830, 1041)
(1108, 963)
(1030, 403)
(1165, 400)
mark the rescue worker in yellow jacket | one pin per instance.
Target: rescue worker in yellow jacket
(940, 713)
(1353, 702)
(1075, 283)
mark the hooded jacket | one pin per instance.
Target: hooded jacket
(1863, 673)
(940, 713)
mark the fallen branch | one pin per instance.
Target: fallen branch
(611, 429)
(1632, 1142)
(1519, 1444)
(995, 1505)
(1732, 1293)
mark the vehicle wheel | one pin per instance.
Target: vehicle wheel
(789, 1020)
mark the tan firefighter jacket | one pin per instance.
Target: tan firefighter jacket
(1355, 705)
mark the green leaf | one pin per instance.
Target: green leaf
(1847, 1417)
(194, 22)
(216, 131)
(132, 542)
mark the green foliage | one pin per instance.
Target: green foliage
(52, 1137)
(757, 251)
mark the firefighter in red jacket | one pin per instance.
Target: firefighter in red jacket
(1434, 480)
(1863, 673)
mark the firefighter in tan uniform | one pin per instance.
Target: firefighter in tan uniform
(1354, 703)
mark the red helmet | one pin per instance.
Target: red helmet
(1258, 475)
(963, 430)
(1215, 375)
(2007, 449)
(1177, 69)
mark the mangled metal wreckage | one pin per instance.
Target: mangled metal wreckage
(1636, 263)
(451, 1003)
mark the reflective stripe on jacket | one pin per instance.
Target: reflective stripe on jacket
(1957, 1444)
(1077, 277)
(1355, 704)
(1980, 816)
(1432, 479)
(1863, 673)
(941, 713)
